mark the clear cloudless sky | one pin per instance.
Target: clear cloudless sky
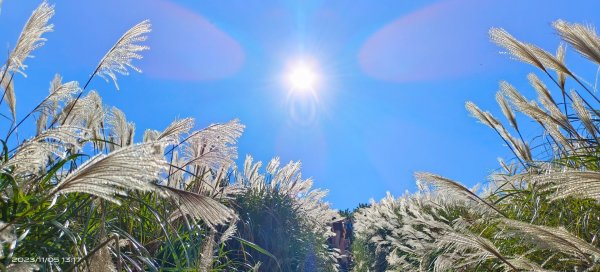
(393, 77)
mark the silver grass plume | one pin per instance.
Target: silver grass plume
(563, 184)
(41, 123)
(478, 114)
(228, 233)
(58, 93)
(214, 145)
(176, 176)
(520, 102)
(206, 254)
(455, 189)
(549, 103)
(121, 130)
(7, 235)
(550, 61)
(133, 167)
(212, 182)
(583, 38)
(560, 56)
(550, 122)
(544, 95)
(119, 57)
(556, 239)
(475, 248)
(287, 180)
(9, 94)
(516, 48)
(174, 131)
(584, 114)
(150, 135)
(34, 153)
(199, 207)
(529, 53)
(506, 110)
(519, 148)
(87, 112)
(31, 37)
(102, 261)
(22, 267)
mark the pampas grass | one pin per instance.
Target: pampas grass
(538, 215)
(82, 188)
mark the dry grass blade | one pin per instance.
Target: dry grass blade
(454, 189)
(31, 37)
(198, 206)
(119, 57)
(134, 167)
(557, 239)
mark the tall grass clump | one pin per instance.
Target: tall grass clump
(82, 195)
(281, 212)
(539, 213)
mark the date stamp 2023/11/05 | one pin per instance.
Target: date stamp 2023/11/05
(50, 259)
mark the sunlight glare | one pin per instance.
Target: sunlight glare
(302, 78)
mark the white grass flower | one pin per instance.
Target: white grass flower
(9, 95)
(563, 184)
(556, 239)
(214, 145)
(134, 167)
(584, 114)
(198, 206)
(516, 48)
(33, 155)
(31, 37)
(228, 233)
(119, 58)
(454, 189)
(59, 92)
(174, 131)
(583, 38)
(474, 249)
(507, 110)
(121, 130)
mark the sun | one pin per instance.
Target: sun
(302, 77)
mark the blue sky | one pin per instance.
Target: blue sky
(393, 77)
